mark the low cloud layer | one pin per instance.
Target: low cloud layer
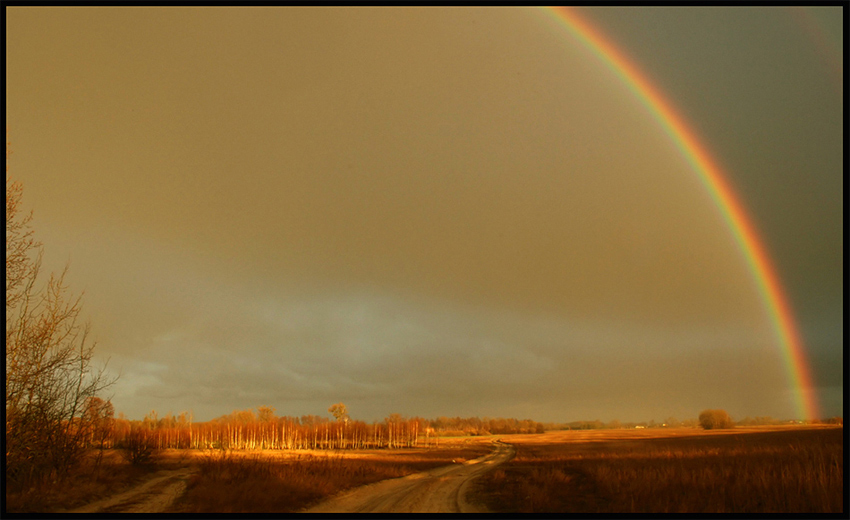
(214, 346)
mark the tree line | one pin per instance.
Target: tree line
(260, 428)
(670, 422)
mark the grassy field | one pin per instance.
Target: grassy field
(242, 481)
(84, 484)
(285, 482)
(743, 470)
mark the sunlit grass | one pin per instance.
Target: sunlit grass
(798, 470)
(229, 482)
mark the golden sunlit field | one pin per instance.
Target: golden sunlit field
(742, 470)
(769, 469)
(243, 481)
(264, 482)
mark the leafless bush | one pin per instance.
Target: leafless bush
(138, 446)
(49, 378)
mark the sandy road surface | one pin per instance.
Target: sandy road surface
(152, 496)
(440, 490)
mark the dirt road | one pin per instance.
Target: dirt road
(152, 496)
(440, 490)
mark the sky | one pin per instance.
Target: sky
(433, 211)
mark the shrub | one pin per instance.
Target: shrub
(49, 372)
(138, 446)
(715, 419)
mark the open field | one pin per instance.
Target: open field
(440, 490)
(232, 481)
(87, 483)
(742, 470)
(264, 482)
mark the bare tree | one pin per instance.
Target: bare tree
(98, 419)
(49, 377)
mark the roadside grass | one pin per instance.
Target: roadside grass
(786, 471)
(232, 482)
(87, 483)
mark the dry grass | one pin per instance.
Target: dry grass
(794, 470)
(84, 484)
(284, 482)
(239, 481)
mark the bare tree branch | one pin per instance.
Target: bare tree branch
(49, 377)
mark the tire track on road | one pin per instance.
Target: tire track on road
(440, 490)
(152, 496)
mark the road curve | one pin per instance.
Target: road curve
(154, 495)
(440, 490)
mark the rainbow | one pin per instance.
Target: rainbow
(711, 175)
